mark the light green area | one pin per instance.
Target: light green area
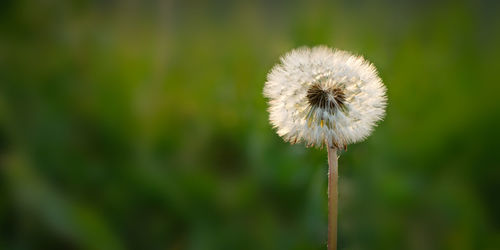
(142, 125)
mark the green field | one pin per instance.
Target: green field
(142, 125)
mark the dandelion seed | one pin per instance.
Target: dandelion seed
(322, 95)
(325, 97)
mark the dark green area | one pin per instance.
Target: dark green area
(142, 125)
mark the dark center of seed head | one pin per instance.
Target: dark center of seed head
(327, 99)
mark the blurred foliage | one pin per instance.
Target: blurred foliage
(141, 125)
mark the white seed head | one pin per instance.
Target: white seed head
(319, 95)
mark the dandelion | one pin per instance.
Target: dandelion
(325, 97)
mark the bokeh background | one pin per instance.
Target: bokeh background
(142, 125)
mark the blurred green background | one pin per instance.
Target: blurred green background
(142, 125)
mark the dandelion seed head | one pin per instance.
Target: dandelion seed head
(319, 95)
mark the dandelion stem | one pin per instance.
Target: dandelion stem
(333, 176)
